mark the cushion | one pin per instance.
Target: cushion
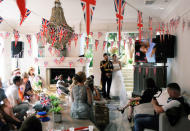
(146, 108)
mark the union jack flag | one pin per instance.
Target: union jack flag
(1, 1)
(88, 6)
(45, 101)
(26, 15)
(92, 8)
(45, 24)
(16, 36)
(119, 12)
(52, 32)
(61, 31)
(1, 19)
(119, 8)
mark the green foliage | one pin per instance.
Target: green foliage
(53, 98)
(112, 37)
(56, 109)
(55, 104)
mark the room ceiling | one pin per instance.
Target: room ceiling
(104, 12)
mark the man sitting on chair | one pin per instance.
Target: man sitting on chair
(174, 103)
(62, 85)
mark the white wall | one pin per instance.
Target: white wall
(179, 67)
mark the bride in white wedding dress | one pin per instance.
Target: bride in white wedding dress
(118, 87)
(118, 121)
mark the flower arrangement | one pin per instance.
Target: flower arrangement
(134, 103)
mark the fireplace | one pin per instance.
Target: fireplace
(51, 70)
(67, 73)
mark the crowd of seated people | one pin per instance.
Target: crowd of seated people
(15, 97)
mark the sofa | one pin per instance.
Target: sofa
(164, 125)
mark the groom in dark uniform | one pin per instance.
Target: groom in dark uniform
(106, 67)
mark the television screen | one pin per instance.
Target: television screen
(17, 50)
(149, 52)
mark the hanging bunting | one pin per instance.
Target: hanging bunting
(61, 30)
(56, 61)
(167, 28)
(139, 69)
(50, 50)
(150, 28)
(146, 71)
(80, 35)
(76, 39)
(88, 7)
(36, 60)
(57, 52)
(87, 42)
(53, 41)
(124, 43)
(183, 25)
(65, 34)
(104, 44)
(45, 24)
(118, 44)
(154, 71)
(27, 13)
(160, 32)
(163, 30)
(7, 35)
(91, 33)
(30, 52)
(172, 23)
(130, 40)
(70, 64)
(1, 35)
(177, 21)
(119, 8)
(52, 32)
(16, 36)
(69, 45)
(45, 63)
(100, 35)
(40, 52)
(22, 7)
(1, 19)
(29, 39)
(38, 36)
(140, 25)
(62, 58)
(112, 43)
(96, 44)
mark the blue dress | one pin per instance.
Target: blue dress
(80, 108)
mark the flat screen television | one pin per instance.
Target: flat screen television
(17, 50)
(150, 52)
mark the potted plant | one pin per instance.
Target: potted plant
(56, 109)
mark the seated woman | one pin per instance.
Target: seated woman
(28, 92)
(90, 83)
(147, 96)
(81, 98)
